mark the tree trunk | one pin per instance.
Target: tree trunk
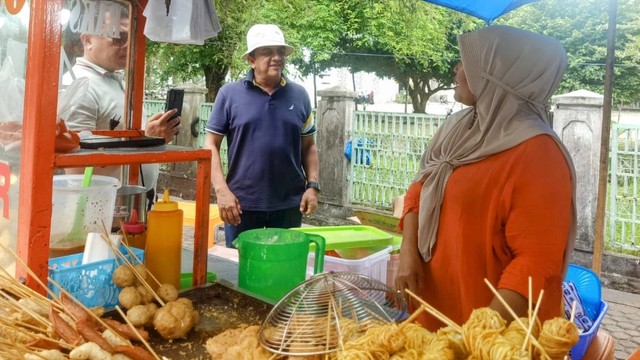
(214, 79)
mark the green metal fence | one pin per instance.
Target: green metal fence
(624, 190)
(385, 154)
(386, 149)
(152, 107)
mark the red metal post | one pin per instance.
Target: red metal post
(38, 139)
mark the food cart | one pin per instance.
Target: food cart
(32, 47)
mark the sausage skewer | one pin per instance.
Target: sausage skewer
(146, 344)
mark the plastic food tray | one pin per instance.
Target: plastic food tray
(90, 283)
(374, 265)
(349, 236)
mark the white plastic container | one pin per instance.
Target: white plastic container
(374, 265)
(77, 211)
(98, 248)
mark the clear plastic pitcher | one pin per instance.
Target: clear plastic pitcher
(274, 261)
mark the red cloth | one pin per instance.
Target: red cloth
(505, 218)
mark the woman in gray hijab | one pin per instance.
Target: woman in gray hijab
(494, 197)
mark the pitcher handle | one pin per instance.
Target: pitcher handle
(318, 265)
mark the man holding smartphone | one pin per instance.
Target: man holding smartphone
(102, 105)
(273, 161)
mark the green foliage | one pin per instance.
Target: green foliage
(581, 26)
(214, 60)
(410, 41)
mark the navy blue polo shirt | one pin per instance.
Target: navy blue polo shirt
(264, 140)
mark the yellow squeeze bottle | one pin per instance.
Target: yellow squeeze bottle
(164, 242)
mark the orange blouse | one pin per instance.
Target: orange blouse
(505, 218)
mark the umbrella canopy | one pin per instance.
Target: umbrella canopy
(487, 10)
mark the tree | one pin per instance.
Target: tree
(410, 41)
(212, 61)
(581, 26)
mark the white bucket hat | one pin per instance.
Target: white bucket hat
(265, 35)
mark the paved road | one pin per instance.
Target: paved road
(622, 321)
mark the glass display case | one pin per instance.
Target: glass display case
(14, 27)
(46, 46)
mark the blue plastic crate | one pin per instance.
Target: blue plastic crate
(578, 350)
(589, 288)
(90, 283)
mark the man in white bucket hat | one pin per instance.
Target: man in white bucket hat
(272, 178)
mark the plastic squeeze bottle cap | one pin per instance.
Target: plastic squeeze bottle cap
(166, 204)
(133, 226)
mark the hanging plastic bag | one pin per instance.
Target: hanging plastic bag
(363, 154)
(181, 22)
(11, 107)
(67, 140)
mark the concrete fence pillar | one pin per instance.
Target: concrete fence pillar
(333, 120)
(578, 121)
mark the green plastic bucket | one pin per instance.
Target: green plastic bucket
(274, 261)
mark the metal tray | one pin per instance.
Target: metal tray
(221, 307)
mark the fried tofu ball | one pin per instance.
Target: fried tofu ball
(141, 315)
(129, 297)
(168, 292)
(98, 311)
(123, 276)
(145, 294)
(90, 351)
(174, 320)
(141, 270)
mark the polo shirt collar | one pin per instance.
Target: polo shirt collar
(81, 61)
(250, 79)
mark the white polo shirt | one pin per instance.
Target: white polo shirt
(101, 106)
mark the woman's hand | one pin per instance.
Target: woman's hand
(408, 275)
(410, 267)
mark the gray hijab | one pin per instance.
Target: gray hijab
(512, 73)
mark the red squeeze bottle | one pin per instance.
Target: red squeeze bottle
(135, 231)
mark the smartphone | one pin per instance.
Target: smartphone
(175, 98)
(107, 142)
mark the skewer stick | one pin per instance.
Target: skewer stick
(39, 336)
(146, 344)
(534, 341)
(31, 273)
(19, 308)
(433, 311)
(532, 320)
(25, 349)
(127, 263)
(573, 311)
(23, 325)
(22, 291)
(94, 316)
(124, 233)
(413, 316)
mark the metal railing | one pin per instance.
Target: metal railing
(153, 106)
(623, 216)
(385, 150)
(385, 154)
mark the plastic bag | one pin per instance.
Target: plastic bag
(11, 106)
(183, 22)
(363, 154)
